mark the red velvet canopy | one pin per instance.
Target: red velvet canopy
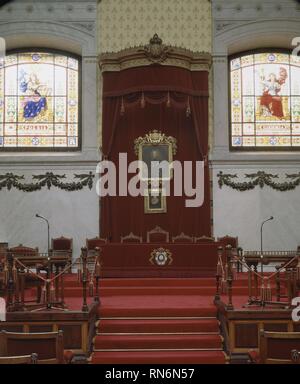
(139, 100)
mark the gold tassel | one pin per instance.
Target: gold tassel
(226, 272)
(14, 272)
(266, 291)
(79, 274)
(5, 271)
(52, 293)
(97, 269)
(234, 271)
(143, 101)
(219, 268)
(223, 286)
(122, 111)
(91, 287)
(188, 109)
(168, 101)
(44, 293)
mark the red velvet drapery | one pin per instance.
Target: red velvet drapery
(167, 92)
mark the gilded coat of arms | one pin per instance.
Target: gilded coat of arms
(156, 51)
(161, 257)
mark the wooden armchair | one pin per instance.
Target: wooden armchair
(233, 241)
(96, 242)
(158, 235)
(23, 251)
(92, 244)
(62, 244)
(277, 348)
(3, 251)
(131, 238)
(29, 359)
(204, 239)
(48, 346)
(228, 240)
(182, 238)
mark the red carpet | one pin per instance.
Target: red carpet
(155, 357)
(155, 321)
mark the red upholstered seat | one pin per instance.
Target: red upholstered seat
(182, 238)
(131, 238)
(228, 240)
(233, 242)
(204, 239)
(94, 243)
(158, 235)
(62, 244)
(3, 251)
(277, 348)
(21, 250)
(48, 346)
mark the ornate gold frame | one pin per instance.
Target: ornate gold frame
(156, 138)
(162, 196)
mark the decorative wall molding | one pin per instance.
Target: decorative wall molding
(224, 25)
(48, 180)
(155, 52)
(87, 26)
(259, 179)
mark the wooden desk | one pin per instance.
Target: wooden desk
(174, 260)
(38, 261)
(56, 259)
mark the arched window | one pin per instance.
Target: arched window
(265, 101)
(39, 101)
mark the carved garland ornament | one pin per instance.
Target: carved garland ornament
(49, 179)
(259, 179)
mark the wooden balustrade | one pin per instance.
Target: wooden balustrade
(10, 283)
(84, 278)
(228, 252)
(97, 274)
(219, 274)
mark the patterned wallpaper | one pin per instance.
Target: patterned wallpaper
(128, 23)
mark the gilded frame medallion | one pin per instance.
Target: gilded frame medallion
(155, 201)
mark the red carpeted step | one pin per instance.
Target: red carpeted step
(72, 282)
(157, 306)
(148, 290)
(160, 325)
(127, 291)
(157, 342)
(159, 357)
(157, 321)
(158, 282)
(157, 312)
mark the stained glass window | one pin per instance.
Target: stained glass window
(265, 101)
(39, 101)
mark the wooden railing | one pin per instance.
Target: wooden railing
(51, 285)
(260, 285)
